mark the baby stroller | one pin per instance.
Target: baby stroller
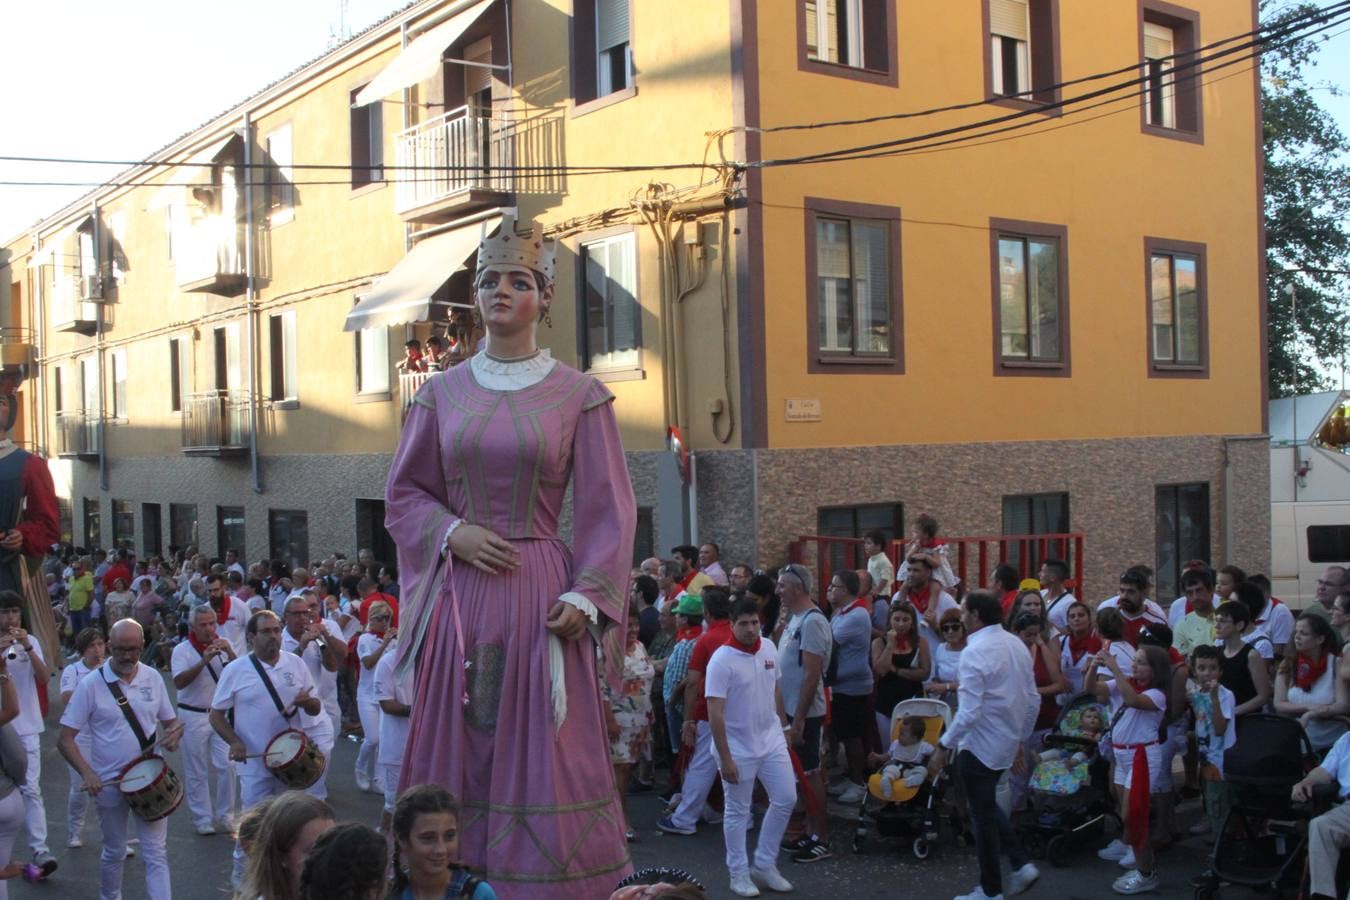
(1070, 798)
(1264, 837)
(910, 812)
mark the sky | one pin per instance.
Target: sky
(91, 79)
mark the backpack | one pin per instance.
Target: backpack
(831, 673)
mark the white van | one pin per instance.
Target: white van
(1305, 538)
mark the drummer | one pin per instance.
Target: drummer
(196, 665)
(319, 642)
(94, 707)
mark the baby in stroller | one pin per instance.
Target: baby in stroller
(1063, 768)
(1071, 804)
(906, 763)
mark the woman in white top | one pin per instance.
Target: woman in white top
(369, 649)
(1307, 685)
(947, 658)
(117, 603)
(1077, 646)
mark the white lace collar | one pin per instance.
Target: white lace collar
(513, 375)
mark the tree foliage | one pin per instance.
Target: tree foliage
(1307, 208)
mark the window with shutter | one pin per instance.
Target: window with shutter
(613, 70)
(1023, 61)
(1159, 68)
(1171, 99)
(1010, 18)
(854, 34)
(478, 78)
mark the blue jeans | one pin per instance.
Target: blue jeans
(79, 620)
(993, 832)
(674, 721)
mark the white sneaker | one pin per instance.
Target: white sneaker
(742, 886)
(979, 894)
(1114, 850)
(1127, 861)
(206, 829)
(362, 782)
(131, 847)
(770, 878)
(1135, 882)
(854, 793)
(711, 816)
(74, 843)
(1022, 880)
(1201, 828)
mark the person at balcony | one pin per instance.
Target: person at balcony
(412, 360)
(500, 619)
(923, 538)
(438, 357)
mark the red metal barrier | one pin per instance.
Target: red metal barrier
(972, 558)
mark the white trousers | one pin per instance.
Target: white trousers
(203, 750)
(370, 744)
(774, 771)
(392, 775)
(35, 814)
(77, 802)
(112, 813)
(698, 780)
(11, 820)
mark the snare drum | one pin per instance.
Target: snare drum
(150, 787)
(294, 759)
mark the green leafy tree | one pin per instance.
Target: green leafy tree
(1307, 210)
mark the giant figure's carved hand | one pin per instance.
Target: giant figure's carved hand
(483, 549)
(566, 621)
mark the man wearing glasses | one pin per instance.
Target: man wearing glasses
(1333, 582)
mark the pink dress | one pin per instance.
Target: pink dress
(540, 815)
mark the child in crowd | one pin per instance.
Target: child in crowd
(1213, 705)
(412, 358)
(426, 848)
(907, 758)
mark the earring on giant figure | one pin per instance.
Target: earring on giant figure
(548, 319)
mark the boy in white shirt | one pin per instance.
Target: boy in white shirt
(1213, 705)
(746, 717)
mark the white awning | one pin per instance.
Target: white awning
(420, 59)
(52, 244)
(196, 169)
(404, 295)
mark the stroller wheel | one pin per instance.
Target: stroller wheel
(1034, 843)
(1058, 851)
(920, 848)
(1207, 893)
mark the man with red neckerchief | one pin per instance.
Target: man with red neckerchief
(196, 665)
(924, 592)
(231, 615)
(1133, 605)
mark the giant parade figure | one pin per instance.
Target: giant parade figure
(501, 619)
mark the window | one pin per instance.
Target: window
(281, 334)
(119, 384)
(183, 526)
(1171, 95)
(1181, 513)
(644, 538)
(57, 388)
(1328, 544)
(610, 331)
(124, 525)
(1035, 514)
(90, 389)
(151, 536)
(853, 286)
(370, 531)
(367, 142)
(849, 38)
(66, 519)
(1031, 297)
(177, 374)
(229, 529)
(602, 50)
(854, 522)
(279, 186)
(93, 525)
(288, 536)
(1177, 316)
(1023, 61)
(372, 360)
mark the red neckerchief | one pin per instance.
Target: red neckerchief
(902, 644)
(1139, 686)
(860, 603)
(749, 651)
(1078, 646)
(684, 582)
(1190, 607)
(1306, 672)
(689, 634)
(920, 599)
(932, 543)
(376, 633)
(223, 614)
(1008, 599)
(1273, 603)
(197, 645)
(1175, 656)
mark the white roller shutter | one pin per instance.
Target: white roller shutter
(611, 24)
(478, 78)
(1158, 41)
(1009, 18)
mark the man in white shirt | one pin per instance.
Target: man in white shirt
(1058, 599)
(106, 703)
(745, 713)
(708, 556)
(1132, 601)
(395, 697)
(1329, 833)
(1273, 619)
(231, 616)
(197, 664)
(232, 563)
(28, 668)
(319, 643)
(995, 713)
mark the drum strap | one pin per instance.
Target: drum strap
(212, 672)
(125, 705)
(271, 689)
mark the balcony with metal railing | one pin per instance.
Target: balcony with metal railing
(208, 256)
(469, 158)
(77, 434)
(215, 423)
(75, 302)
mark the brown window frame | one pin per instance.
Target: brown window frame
(1170, 247)
(999, 228)
(879, 21)
(1187, 92)
(1043, 58)
(585, 63)
(821, 363)
(367, 169)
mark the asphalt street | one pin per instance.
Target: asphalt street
(201, 865)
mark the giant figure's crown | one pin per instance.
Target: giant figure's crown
(506, 248)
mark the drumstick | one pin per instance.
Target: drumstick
(85, 787)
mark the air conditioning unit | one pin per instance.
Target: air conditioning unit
(91, 287)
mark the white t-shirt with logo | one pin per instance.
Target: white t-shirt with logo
(256, 719)
(234, 628)
(202, 689)
(71, 676)
(747, 683)
(313, 657)
(93, 708)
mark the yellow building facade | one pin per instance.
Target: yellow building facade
(1053, 327)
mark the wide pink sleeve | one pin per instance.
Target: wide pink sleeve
(417, 514)
(41, 523)
(604, 518)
